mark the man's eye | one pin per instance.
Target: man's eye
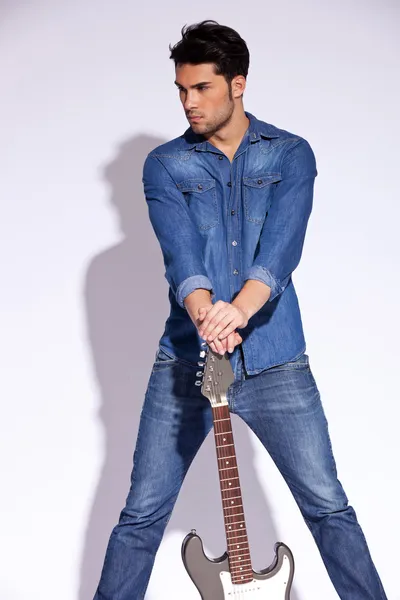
(203, 87)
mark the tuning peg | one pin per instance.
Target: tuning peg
(203, 344)
(198, 382)
(202, 354)
(199, 373)
(201, 364)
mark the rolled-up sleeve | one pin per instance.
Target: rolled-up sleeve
(176, 232)
(283, 233)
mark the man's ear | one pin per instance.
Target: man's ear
(238, 86)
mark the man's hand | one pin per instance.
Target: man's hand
(220, 322)
(220, 346)
(198, 304)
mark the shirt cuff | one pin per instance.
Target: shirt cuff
(262, 274)
(189, 285)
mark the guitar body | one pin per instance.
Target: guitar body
(213, 579)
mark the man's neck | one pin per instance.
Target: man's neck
(229, 138)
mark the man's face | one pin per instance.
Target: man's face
(205, 97)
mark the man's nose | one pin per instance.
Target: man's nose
(190, 102)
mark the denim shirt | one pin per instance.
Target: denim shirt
(220, 223)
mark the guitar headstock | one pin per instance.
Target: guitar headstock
(217, 376)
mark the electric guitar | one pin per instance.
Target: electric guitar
(231, 576)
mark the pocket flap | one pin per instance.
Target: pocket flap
(196, 185)
(262, 180)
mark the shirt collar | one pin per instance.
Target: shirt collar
(256, 130)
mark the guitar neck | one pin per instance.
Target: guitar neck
(235, 526)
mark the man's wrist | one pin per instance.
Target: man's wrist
(253, 295)
(199, 298)
(245, 308)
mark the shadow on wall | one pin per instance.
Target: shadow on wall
(125, 296)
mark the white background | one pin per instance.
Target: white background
(86, 91)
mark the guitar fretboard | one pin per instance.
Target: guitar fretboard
(235, 526)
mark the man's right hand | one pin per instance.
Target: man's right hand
(198, 303)
(220, 346)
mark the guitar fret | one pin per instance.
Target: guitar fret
(240, 571)
(224, 445)
(223, 432)
(234, 514)
(231, 488)
(237, 536)
(224, 457)
(228, 469)
(239, 562)
(240, 551)
(219, 420)
(235, 522)
(239, 559)
(231, 498)
(229, 478)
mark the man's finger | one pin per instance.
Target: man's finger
(230, 342)
(215, 329)
(210, 315)
(230, 328)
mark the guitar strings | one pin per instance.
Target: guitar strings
(233, 473)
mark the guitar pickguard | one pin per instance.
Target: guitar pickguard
(274, 588)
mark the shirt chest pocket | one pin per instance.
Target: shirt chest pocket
(257, 195)
(201, 197)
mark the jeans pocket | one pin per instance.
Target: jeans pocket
(163, 357)
(301, 362)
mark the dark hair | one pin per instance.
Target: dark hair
(210, 42)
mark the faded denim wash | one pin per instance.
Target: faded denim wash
(220, 223)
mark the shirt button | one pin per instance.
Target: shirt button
(229, 184)
(232, 212)
(259, 181)
(236, 272)
(199, 187)
(220, 157)
(234, 243)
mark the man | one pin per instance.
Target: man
(229, 202)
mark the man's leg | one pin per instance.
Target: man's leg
(282, 406)
(174, 422)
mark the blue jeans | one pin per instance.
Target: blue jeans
(282, 406)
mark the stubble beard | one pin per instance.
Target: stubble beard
(220, 120)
